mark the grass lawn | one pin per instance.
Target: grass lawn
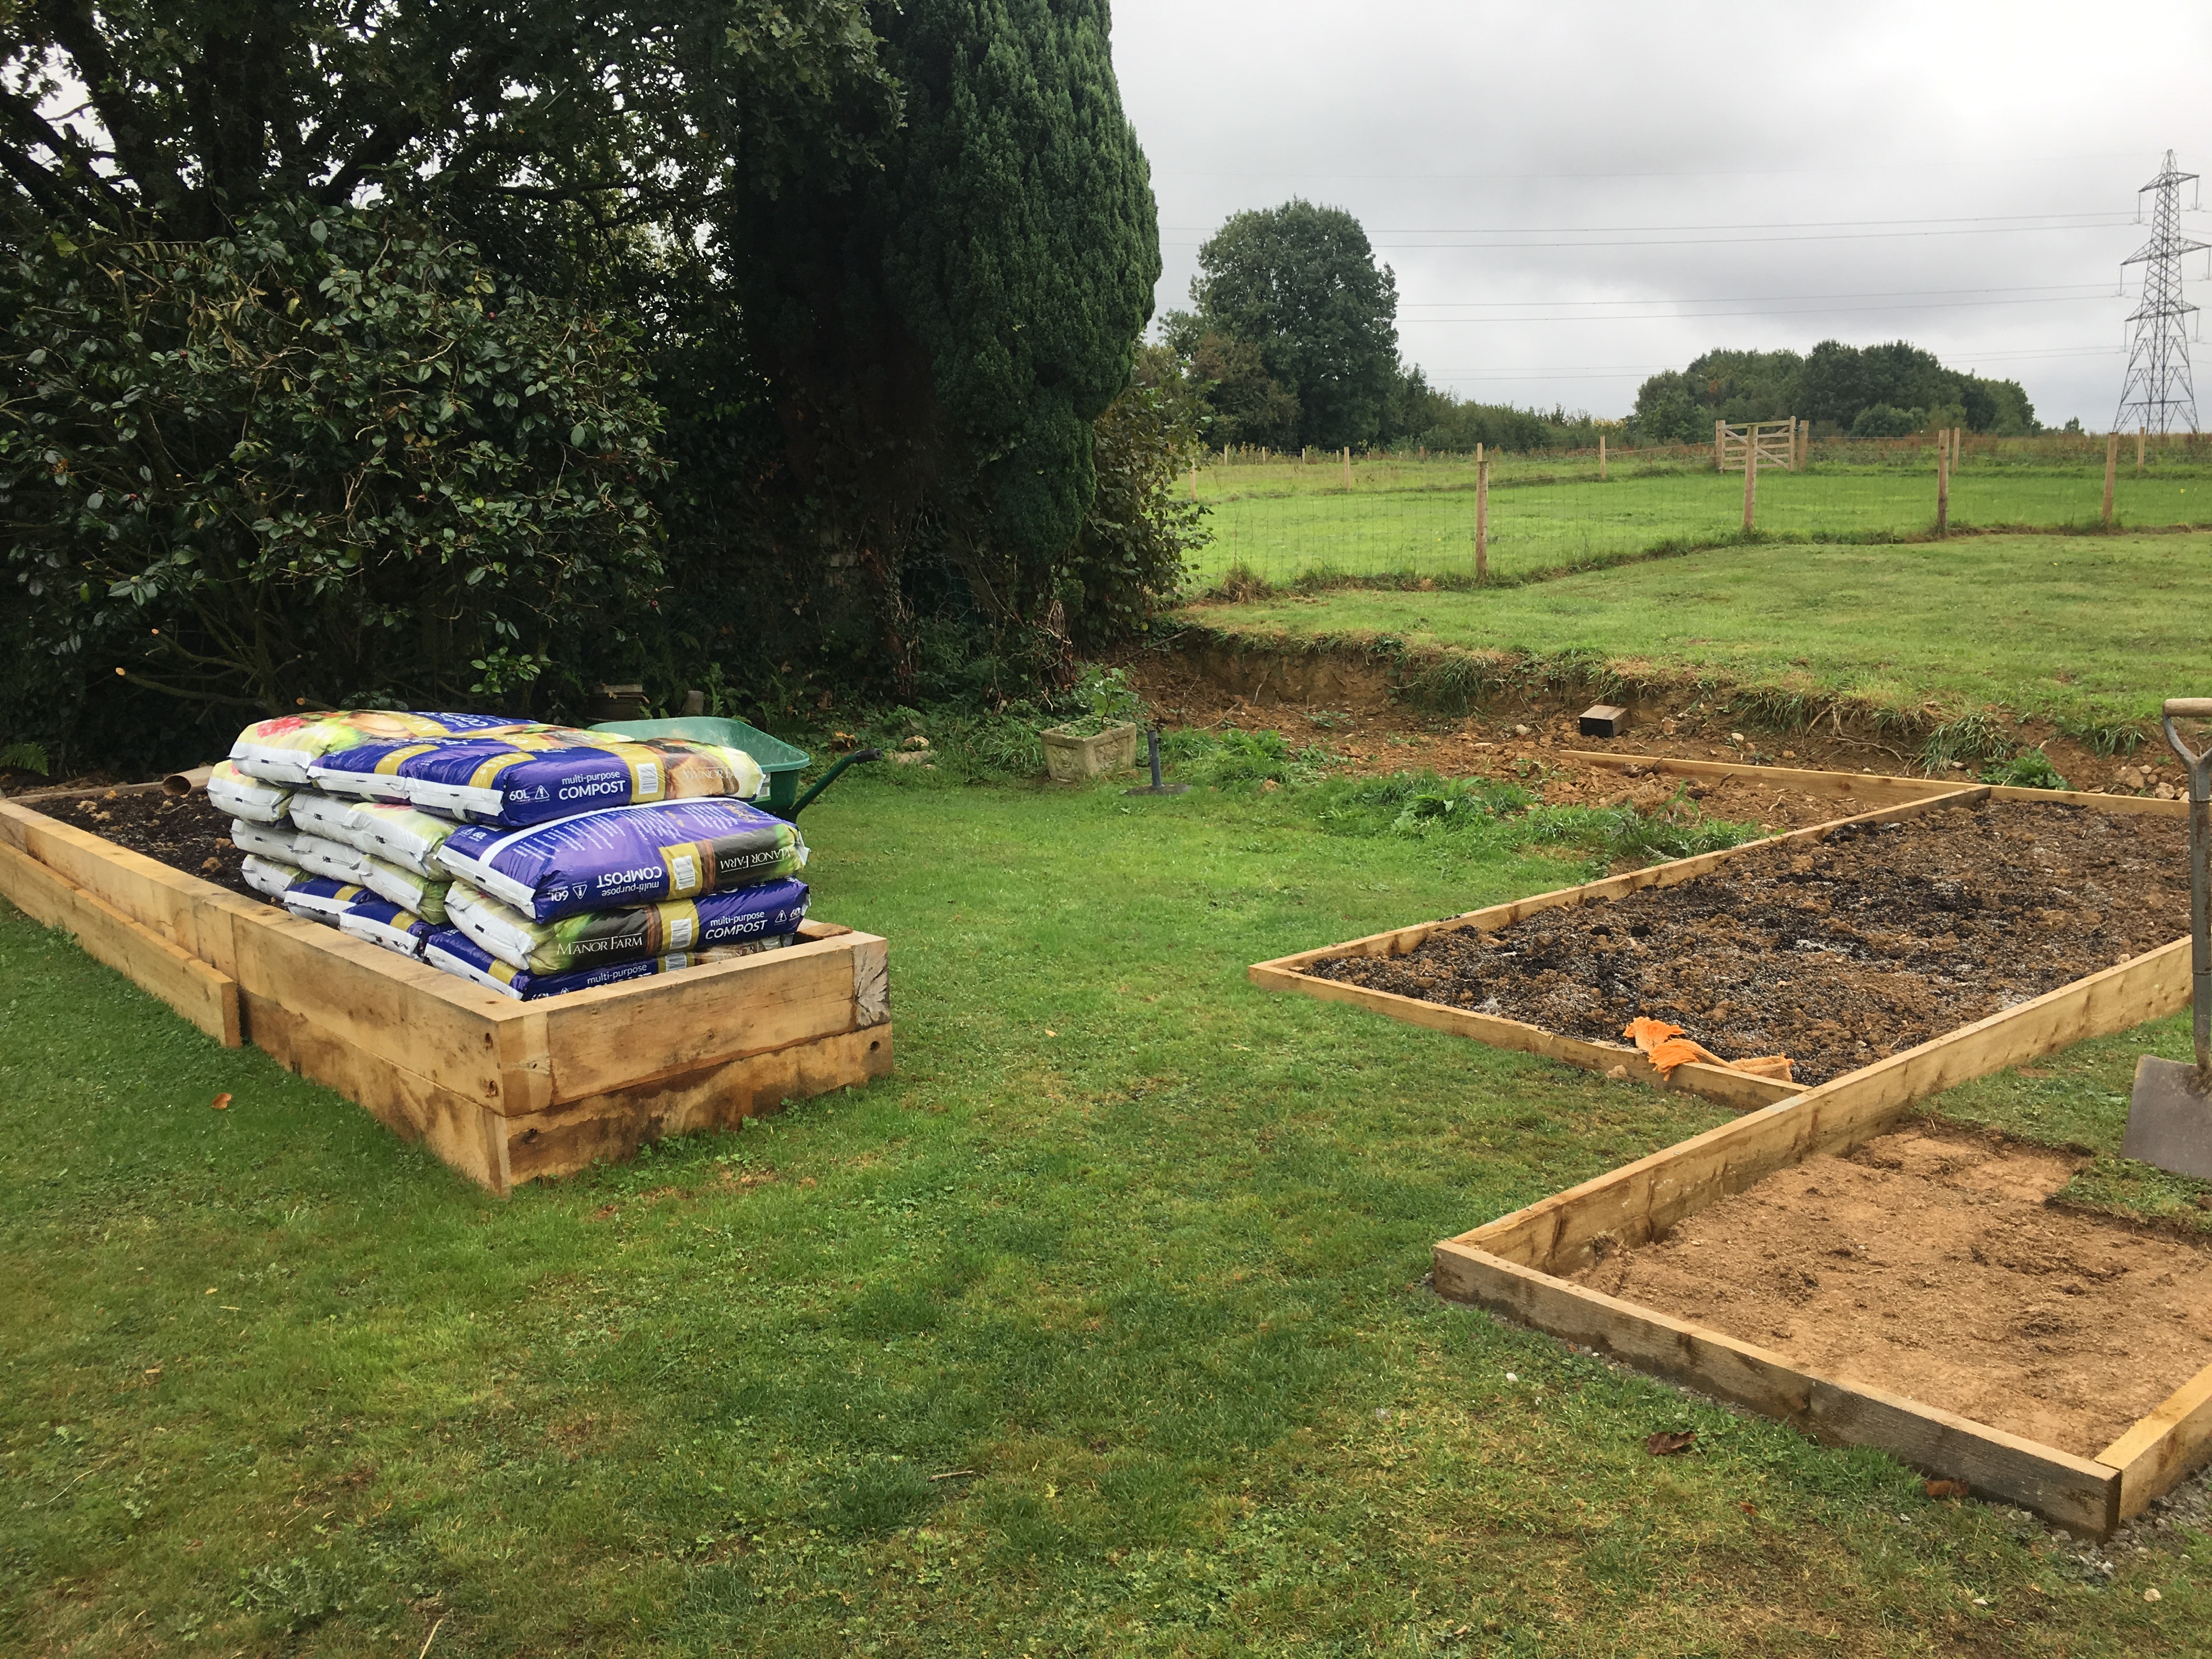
(1098, 1329)
(2089, 629)
(1390, 524)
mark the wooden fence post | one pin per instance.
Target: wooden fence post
(1943, 441)
(1720, 450)
(1600, 458)
(1348, 467)
(2112, 464)
(1482, 516)
(2140, 432)
(1750, 474)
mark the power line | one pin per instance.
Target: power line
(2103, 216)
(1725, 241)
(1787, 311)
(1756, 299)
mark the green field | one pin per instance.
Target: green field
(1098, 1329)
(1395, 520)
(2086, 629)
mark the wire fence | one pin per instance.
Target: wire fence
(1281, 518)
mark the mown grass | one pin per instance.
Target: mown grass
(1388, 525)
(1098, 1329)
(2089, 630)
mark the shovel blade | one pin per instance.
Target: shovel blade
(2169, 1119)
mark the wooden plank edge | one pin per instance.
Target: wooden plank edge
(1814, 780)
(2161, 1450)
(2080, 1492)
(208, 999)
(1739, 1090)
(1397, 941)
(1828, 1116)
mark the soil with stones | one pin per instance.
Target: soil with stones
(1879, 939)
(185, 832)
(1928, 1263)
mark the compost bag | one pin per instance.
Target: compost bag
(320, 856)
(231, 791)
(392, 925)
(766, 909)
(267, 841)
(520, 778)
(457, 953)
(424, 895)
(626, 855)
(401, 835)
(280, 750)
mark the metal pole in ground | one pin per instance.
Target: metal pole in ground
(1750, 474)
(1942, 480)
(1482, 516)
(2112, 465)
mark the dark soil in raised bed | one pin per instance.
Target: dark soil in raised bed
(1877, 940)
(185, 832)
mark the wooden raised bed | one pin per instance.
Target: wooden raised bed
(1516, 1264)
(504, 1091)
(1904, 798)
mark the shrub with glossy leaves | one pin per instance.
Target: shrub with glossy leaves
(327, 458)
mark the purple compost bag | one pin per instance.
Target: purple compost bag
(280, 750)
(625, 855)
(457, 953)
(382, 922)
(517, 778)
(765, 909)
(318, 898)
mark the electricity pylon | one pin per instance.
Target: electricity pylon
(2157, 394)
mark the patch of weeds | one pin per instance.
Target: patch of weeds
(23, 757)
(2118, 737)
(880, 1497)
(298, 1593)
(1611, 834)
(1978, 737)
(1225, 760)
(1417, 804)
(2031, 769)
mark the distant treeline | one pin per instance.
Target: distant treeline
(1869, 392)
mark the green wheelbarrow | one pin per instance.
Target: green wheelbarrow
(779, 760)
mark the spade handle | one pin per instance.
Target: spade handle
(2200, 871)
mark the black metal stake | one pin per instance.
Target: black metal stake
(1152, 753)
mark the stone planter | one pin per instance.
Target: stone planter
(1070, 759)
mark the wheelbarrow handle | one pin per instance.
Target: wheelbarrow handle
(831, 777)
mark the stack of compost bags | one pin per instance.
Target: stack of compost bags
(529, 859)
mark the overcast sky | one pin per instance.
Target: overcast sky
(1576, 195)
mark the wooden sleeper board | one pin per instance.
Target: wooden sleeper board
(502, 1091)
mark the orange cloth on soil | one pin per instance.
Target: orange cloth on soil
(1668, 1048)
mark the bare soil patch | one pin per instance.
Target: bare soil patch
(185, 832)
(1927, 1263)
(1344, 704)
(1879, 939)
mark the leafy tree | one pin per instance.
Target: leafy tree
(1831, 386)
(328, 458)
(1134, 551)
(508, 117)
(1886, 421)
(1247, 405)
(1023, 252)
(1300, 284)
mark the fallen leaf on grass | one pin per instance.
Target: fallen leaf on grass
(1946, 1488)
(1748, 1508)
(1668, 1442)
(220, 1102)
